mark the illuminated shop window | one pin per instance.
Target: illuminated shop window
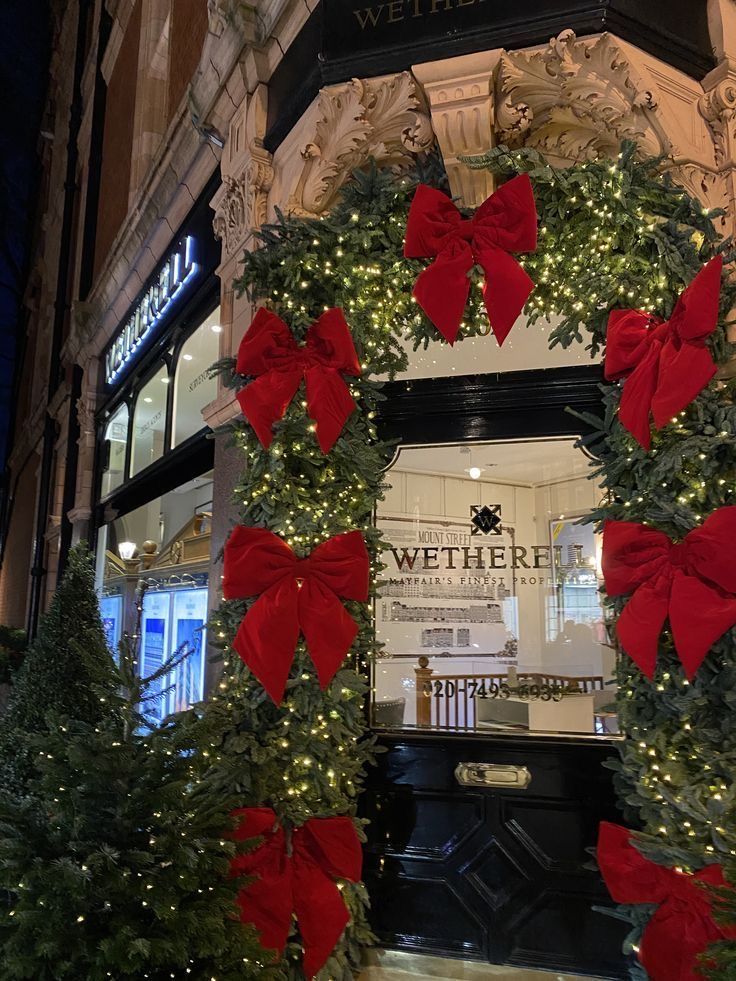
(526, 347)
(149, 422)
(165, 543)
(116, 440)
(193, 386)
(489, 612)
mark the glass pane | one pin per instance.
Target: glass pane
(149, 422)
(166, 543)
(116, 436)
(526, 347)
(489, 612)
(193, 388)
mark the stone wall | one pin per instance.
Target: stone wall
(173, 120)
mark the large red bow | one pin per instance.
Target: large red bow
(505, 222)
(682, 927)
(269, 352)
(297, 876)
(667, 362)
(295, 596)
(693, 582)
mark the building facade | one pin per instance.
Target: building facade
(179, 127)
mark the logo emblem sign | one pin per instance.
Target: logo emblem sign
(485, 519)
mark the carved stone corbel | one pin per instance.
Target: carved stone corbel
(718, 108)
(384, 118)
(460, 96)
(576, 99)
(235, 14)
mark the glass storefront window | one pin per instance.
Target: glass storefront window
(165, 543)
(489, 612)
(149, 422)
(193, 387)
(526, 347)
(116, 441)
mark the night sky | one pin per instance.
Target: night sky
(24, 59)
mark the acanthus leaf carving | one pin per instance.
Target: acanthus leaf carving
(230, 218)
(384, 118)
(576, 100)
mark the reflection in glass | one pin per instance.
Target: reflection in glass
(116, 439)
(490, 612)
(193, 387)
(171, 553)
(149, 422)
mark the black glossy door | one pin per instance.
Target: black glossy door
(496, 875)
(492, 874)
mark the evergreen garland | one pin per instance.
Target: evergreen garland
(612, 234)
(620, 234)
(309, 753)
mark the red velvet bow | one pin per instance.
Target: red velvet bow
(296, 874)
(667, 362)
(296, 596)
(505, 222)
(269, 352)
(682, 927)
(693, 582)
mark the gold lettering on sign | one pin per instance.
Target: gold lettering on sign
(394, 11)
(372, 14)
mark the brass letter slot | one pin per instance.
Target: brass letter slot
(493, 775)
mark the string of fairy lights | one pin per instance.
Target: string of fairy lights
(596, 249)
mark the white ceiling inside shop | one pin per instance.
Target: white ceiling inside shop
(526, 347)
(524, 462)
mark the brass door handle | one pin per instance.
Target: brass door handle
(493, 775)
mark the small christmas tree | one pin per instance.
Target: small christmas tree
(118, 860)
(67, 670)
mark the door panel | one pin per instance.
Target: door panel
(473, 668)
(492, 874)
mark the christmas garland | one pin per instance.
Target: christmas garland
(613, 234)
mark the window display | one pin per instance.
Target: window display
(115, 444)
(111, 610)
(194, 387)
(489, 614)
(149, 422)
(165, 544)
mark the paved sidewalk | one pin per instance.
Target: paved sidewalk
(387, 965)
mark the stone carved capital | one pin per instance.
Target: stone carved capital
(85, 408)
(247, 178)
(222, 14)
(384, 118)
(576, 99)
(242, 208)
(718, 108)
(230, 219)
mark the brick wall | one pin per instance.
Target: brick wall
(188, 31)
(16, 567)
(117, 140)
